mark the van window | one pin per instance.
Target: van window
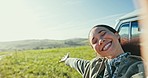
(135, 29)
(124, 32)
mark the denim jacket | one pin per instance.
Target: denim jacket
(130, 66)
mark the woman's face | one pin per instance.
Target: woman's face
(105, 42)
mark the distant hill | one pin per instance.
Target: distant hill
(41, 44)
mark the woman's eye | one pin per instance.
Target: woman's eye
(94, 41)
(103, 33)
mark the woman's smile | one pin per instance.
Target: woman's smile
(106, 46)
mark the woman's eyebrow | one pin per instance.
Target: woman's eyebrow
(100, 31)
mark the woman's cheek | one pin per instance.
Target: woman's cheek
(95, 47)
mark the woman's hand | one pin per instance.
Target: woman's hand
(64, 58)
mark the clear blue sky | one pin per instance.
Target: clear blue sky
(57, 19)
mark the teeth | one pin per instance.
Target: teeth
(106, 46)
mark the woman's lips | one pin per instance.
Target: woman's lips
(106, 46)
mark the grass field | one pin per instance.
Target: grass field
(42, 63)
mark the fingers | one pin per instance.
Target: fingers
(64, 58)
(67, 55)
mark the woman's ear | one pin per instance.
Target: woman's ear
(118, 36)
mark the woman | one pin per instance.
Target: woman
(111, 62)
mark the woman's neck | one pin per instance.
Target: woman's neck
(117, 53)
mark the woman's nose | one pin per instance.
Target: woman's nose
(101, 41)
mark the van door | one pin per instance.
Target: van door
(129, 31)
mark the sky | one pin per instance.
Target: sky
(57, 19)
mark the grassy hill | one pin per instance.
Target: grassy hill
(42, 63)
(41, 44)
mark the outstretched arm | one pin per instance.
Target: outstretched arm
(79, 64)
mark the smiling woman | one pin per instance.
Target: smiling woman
(111, 62)
(105, 42)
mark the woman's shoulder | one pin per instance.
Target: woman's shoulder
(132, 62)
(135, 57)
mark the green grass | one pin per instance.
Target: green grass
(42, 63)
(4, 53)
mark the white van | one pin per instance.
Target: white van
(129, 29)
(128, 26)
